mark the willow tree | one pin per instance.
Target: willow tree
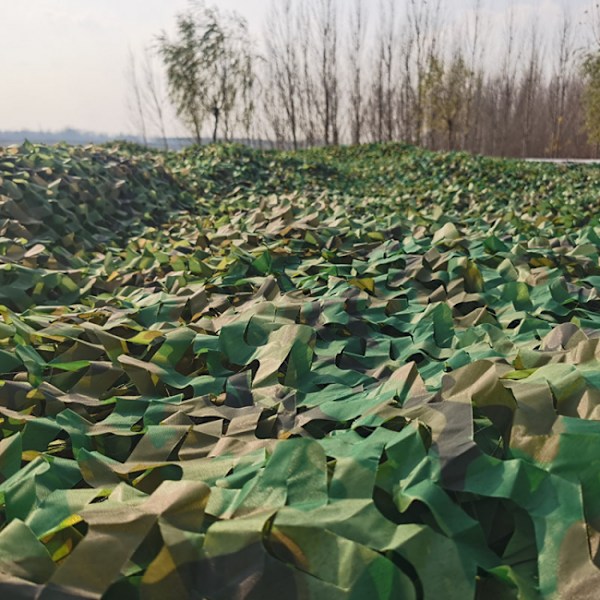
(209, 66)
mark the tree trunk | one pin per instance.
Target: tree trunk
(216, 113)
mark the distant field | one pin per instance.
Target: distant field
(356, 373)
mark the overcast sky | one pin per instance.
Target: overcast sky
(63, 62)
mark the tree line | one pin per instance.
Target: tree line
(331, 72)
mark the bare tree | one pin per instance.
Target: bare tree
(508, 79)
(475, 50)
(560, 82)
(135, 101)
(308, 78)
(358, 24)
(378, 95)
(283, 67)
(155, 95)
(325, 23)
(407, 94)
(529, 91)
(248, 94)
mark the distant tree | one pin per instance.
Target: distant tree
(591, 96)
(445, 87)
(325, 28)
(560, 83)
(135, 100)
(423, 23)
(185, 73)
(431, 91)
(386, 62)
(155, 95)
(475, 51)
(407, 97)
(210, 69)
(308, 93)
(453, 107)
(283, 71)
(398, 71)
(508, 84)
(529, 90)
(248, 93)
(356, 47)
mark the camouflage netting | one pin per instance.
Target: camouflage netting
(324, 394)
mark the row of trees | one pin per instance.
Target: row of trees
(354, 71)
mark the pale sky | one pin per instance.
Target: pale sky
(63, 62)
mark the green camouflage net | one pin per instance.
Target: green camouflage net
(338, 374)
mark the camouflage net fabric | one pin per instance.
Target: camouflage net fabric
(338, 374)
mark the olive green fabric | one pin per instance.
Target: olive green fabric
(349, 373)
